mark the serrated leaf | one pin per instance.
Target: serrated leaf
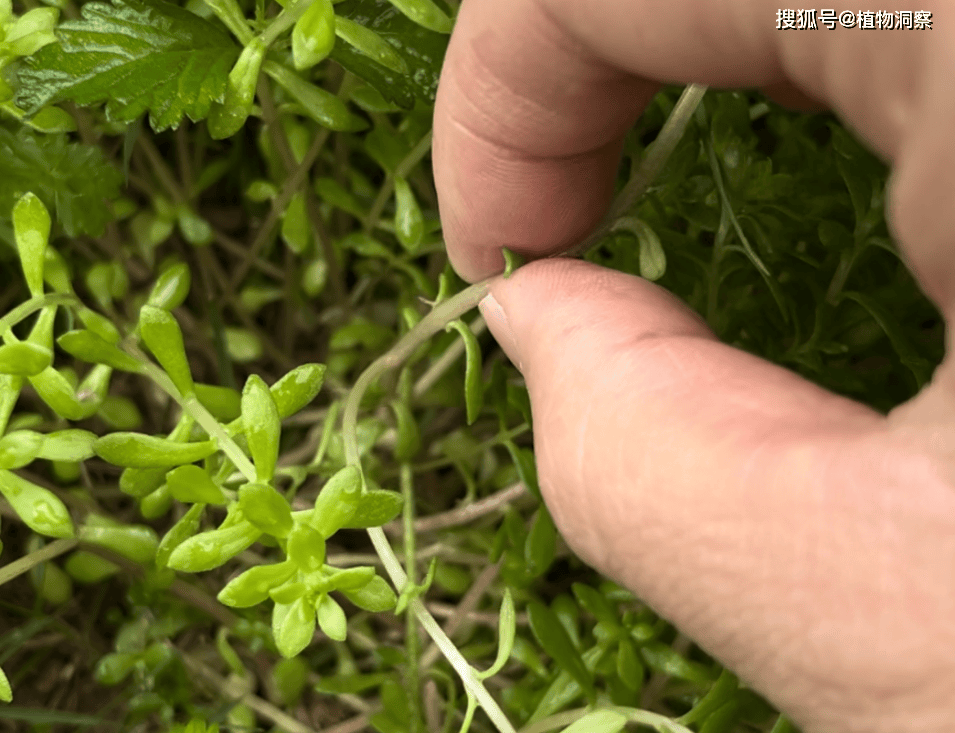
(135, 55)
(71, 179)
(422, 50)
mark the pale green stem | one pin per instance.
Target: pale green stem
(26, 309)
(198, 412)
(25, 564)
(653, 161)
(412, 644)
(285, 20)
(435, 321)
(232, 17)
(403, 168)
(658, 722)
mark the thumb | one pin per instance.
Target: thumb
(715, 485)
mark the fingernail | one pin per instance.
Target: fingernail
(501, 328)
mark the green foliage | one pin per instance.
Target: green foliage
(138, 56)
(290, 243)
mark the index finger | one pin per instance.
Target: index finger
(536, 96)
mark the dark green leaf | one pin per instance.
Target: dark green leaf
(662, 658)
(541, 543)
(73, 180)
(137, 56)
(553, 638)
(422, 50)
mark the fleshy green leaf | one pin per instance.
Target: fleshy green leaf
(191, 484)
(31, 227)
(293, 626)
(540, 548)
(507, 630)
(377, 596)
(179, 533)
(161, 333)
(134, 450)
(306, 548)
(87, 346)
(262, 426)
(6, 693)
(171, 287)
(599, 721)
(208, 550)
(473, 385)
(629, 668)
(313, 36)
(252, 587)
(135, 541)
(331, 618)
(67, 445)
(323, 107)
(337, 502)
(40, 509)
(371, 44)
(24, 359)
(425, 13)
(264, 507)
(409, 221)
(135, 55)
(375, 508)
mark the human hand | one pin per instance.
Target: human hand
(802, 538)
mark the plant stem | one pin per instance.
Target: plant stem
(454, 308)
(412, 643)
(658, 722)
(25, 564)
(26, 309)
(653, 161)
(197, 411)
